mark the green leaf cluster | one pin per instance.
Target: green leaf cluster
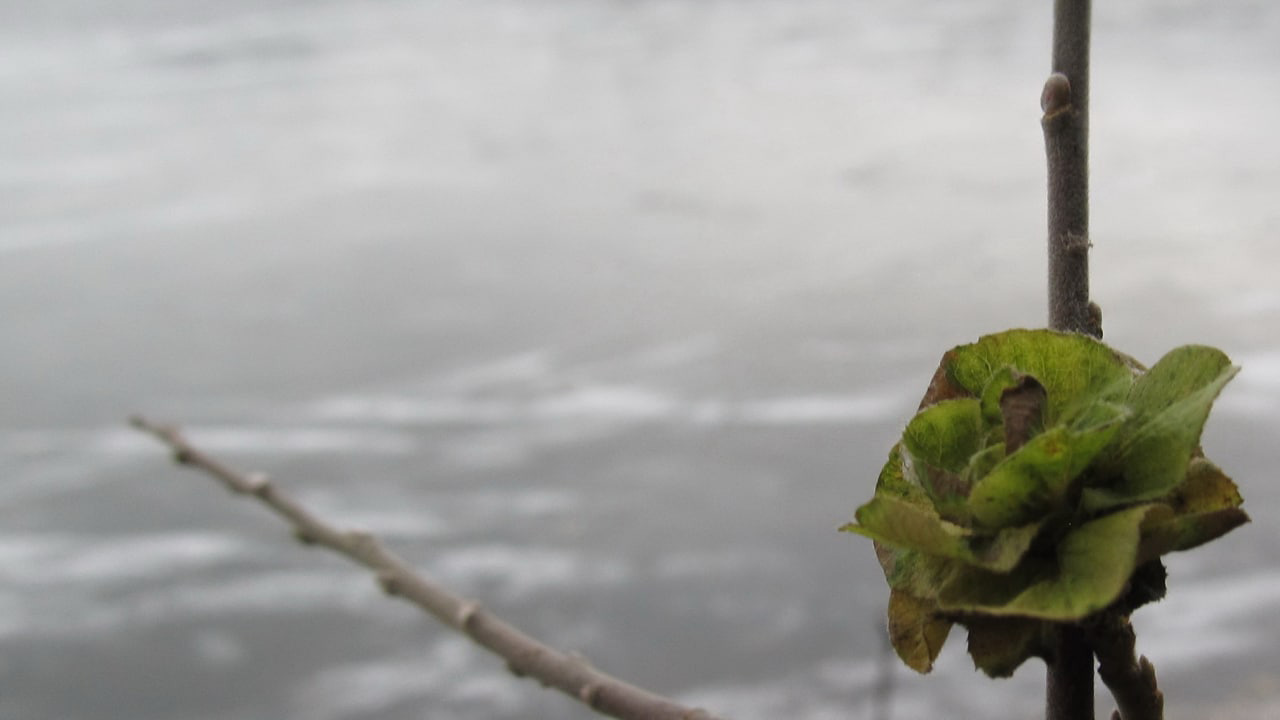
(1040, 482)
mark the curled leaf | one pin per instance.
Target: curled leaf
(1039, 483)
(916, 631)
(1035, 480)
(999, 646)
(1069, 365)
(1088, 571)
(947, 434)
(1205, 507)
(906, 525)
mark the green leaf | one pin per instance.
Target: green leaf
(904, 568)
(1034, 480)
(939, 441)
(916, 630)
(947, 434)
(1069, 365)
(1098, 413)
(1092, 564)
(902, 517)
(1171, 404)
(1205, 507)
(999, 645)
(892, 482)
(975, 516)
(1205, 489)
(1027, 484)
(1182, 372)
(912, 571)
(983, 462)
(904, 524)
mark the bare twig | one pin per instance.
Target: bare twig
(525, 656)
(1065, 101)
(1131, 679)
(1069, 681)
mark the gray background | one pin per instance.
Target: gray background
(605, 313)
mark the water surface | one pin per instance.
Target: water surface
(605, 313)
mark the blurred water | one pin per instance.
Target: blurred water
(603, 312)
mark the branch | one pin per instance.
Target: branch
(525, 656)
(1069, 682)
(1131, 679)
(1065, 102)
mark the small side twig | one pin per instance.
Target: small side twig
(1130, 678)
(525, 656)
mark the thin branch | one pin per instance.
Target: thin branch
(1131, 679)
(1065, 102)
(1069, 681)
(525, 656)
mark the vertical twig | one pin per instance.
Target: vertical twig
(1069, 682)
(1065, 101)
(1066, 134)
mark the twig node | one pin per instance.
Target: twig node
(467, 614)
(589, 694)
(389, 582)
(258, 484)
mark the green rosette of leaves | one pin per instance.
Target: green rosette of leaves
(1042, 479)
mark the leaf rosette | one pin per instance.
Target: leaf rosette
(1039, 483)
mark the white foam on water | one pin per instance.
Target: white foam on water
(820, 409)
(81, 559)
(613, 403)
(535, 503)
(407, 410)
(81, 611)
(618, 403)
(726, 563)
(453, 670)
(521, 571)
(290, 440)
(121, 442)
(218, 649)
(522, 368)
